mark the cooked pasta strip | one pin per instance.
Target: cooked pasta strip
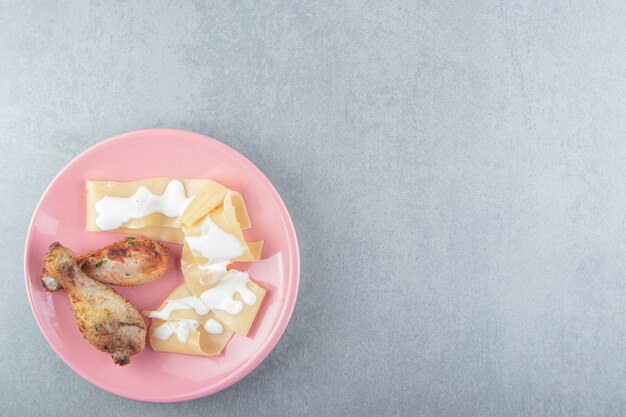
(179, 327)
(228, 218)
(242, 322)
(154, 188)
(199, 281)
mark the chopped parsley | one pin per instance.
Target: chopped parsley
(101, 262)
(130, 241)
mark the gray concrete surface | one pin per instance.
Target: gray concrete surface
(456, 172)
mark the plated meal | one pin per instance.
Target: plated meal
(213, 302)
(189, 284)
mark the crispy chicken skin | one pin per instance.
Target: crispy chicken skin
(110, 323)
(130, 261)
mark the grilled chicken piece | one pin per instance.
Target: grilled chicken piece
(130, 261)
(110, 323)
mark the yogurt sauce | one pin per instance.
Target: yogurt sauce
(115, 211)
(181, 328)
(221, 296)
(180, 304)
(213, 327)
(217, 246)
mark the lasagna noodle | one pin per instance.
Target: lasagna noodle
(196, 279)
(229, 217)
(199, 281)
(199, 341)
(97, 190)
(242, 322)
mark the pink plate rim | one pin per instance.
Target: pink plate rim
(284, 316)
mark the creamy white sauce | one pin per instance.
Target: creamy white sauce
(213, 327)
(115, 211)
(180, 304)
(181, 328)
(217, 246)
(221, 296)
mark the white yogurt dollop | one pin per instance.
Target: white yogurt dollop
(213, 327)
(221, 296)
(217, 246)
(181, 328)
(115, 211)
(180, 304)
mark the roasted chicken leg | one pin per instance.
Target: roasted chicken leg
(130, 261)
(110, 323)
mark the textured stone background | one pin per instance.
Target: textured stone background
(456, 173)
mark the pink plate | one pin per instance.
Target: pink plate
(60, 216)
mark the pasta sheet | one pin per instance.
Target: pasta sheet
(199, 342)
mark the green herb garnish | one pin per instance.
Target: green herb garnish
(130, 241)
(127, 274)
(101, 262)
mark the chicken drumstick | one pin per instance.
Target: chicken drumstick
(110, 323)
